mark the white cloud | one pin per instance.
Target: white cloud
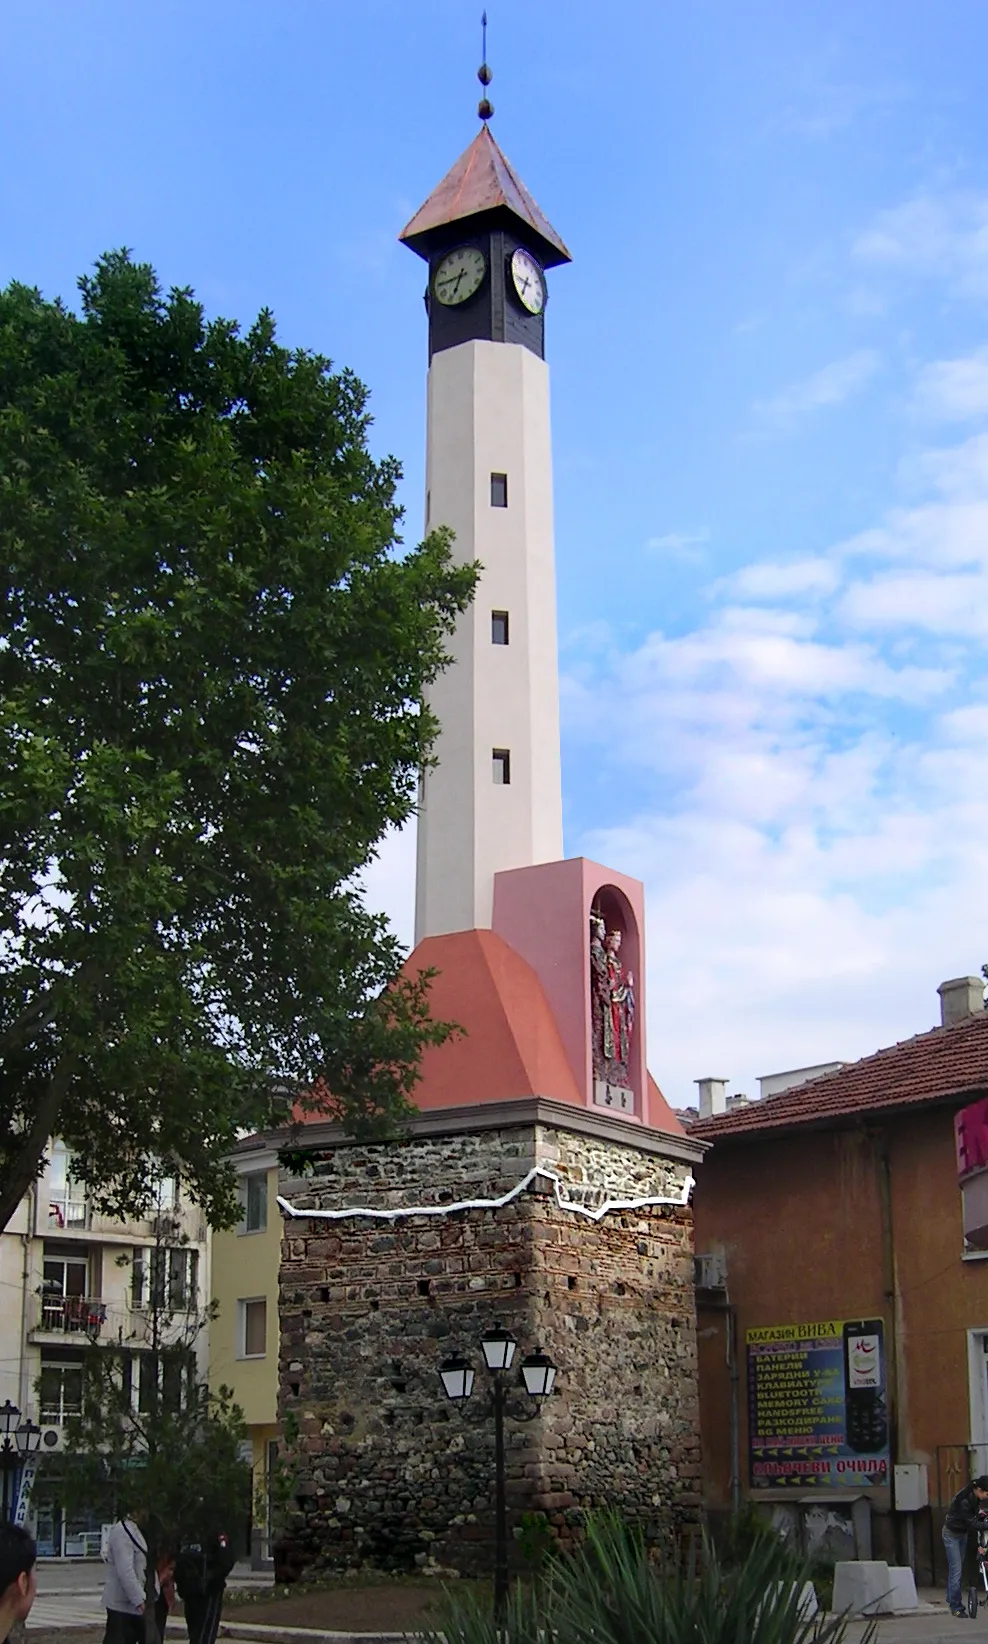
(389, 881)
(831, 385)
(954, 390)
(815, 843)
(682, 543)
(952, 605)
(765, 580)
(944, 235)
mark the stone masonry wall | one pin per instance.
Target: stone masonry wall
(391, 1473)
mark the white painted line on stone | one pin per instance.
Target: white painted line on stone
(609, 1207)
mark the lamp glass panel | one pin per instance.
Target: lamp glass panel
(457, 1378)
(539, 1375)
(499, 1349)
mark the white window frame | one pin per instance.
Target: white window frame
(242, 1305)
(977, 1372)
(63, 1412)
(244, 1190)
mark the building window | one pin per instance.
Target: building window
(502, 766)
(167, 1279)
(66, 1197)
(499, 490)
(253, 1328)
(254, 1202)
(60, 1391)
(499, 627)
(167, 1194)
(65, 1306)
(164, 1380)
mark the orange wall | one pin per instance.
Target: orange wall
(800, 1221)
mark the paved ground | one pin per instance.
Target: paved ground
(69, 1612)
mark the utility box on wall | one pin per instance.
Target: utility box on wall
(912, 1489)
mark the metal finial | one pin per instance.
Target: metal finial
(485, 108)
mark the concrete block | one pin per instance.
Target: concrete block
(807, 1605)
(903, 1588)
(862, 1587)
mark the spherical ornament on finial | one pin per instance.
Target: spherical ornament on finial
(485, 109)
(484, 75)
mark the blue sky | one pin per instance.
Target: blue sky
(770, 388)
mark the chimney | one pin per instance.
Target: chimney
(713, 1097)
(959, 999)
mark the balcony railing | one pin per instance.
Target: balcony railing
(72, 1316)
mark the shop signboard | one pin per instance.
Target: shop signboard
(817, 1410)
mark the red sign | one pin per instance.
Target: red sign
(971, 1137)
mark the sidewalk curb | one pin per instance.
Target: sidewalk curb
(305, 1635)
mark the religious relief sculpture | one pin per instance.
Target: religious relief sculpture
(612, 1016)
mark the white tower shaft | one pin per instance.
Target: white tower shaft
(488, 415)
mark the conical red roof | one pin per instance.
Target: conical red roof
(482, 180)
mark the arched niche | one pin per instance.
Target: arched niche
(615, 1047)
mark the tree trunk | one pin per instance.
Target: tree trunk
(24, 1168)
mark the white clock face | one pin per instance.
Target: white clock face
(528, 281)
(459, 275)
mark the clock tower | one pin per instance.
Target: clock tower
(493, 800)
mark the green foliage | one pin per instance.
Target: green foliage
(276, 1494)
(536, 1541)
(212, 666)
(609, 1591)
(179, 1456)
(743, 1533)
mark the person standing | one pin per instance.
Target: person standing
(201, 1569)
(123, 1592)
(18, 1580)
(960, 1519)
(165, 1602)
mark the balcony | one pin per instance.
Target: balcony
(76, 1316)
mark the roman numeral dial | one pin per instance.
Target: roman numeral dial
(459, 275)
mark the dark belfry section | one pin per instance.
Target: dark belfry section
(481, 203)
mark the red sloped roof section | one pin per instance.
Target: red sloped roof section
(511, 1047)
(481, 179)
(660, 1115)
(945, 1062)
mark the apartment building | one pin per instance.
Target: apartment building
(71, 1278)
(244, 1337)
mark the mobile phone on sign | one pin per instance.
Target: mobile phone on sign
(866, 1415)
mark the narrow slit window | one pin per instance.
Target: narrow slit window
(502, 766)
(499, 490)
(499, 627)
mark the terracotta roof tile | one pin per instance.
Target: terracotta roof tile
(482, 180)
(930, 1067)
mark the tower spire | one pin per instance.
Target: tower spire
(485, 108)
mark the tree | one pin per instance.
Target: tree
(150, 1433)
(213, 659)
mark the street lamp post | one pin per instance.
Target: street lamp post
(18, 1440)
(538, 1376)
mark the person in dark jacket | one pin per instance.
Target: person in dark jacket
(201, 1569)
(960, 1519)
(18, 1583)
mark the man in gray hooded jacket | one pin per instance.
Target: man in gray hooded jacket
(123, 1594)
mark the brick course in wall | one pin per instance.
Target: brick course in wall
(391, 1473)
